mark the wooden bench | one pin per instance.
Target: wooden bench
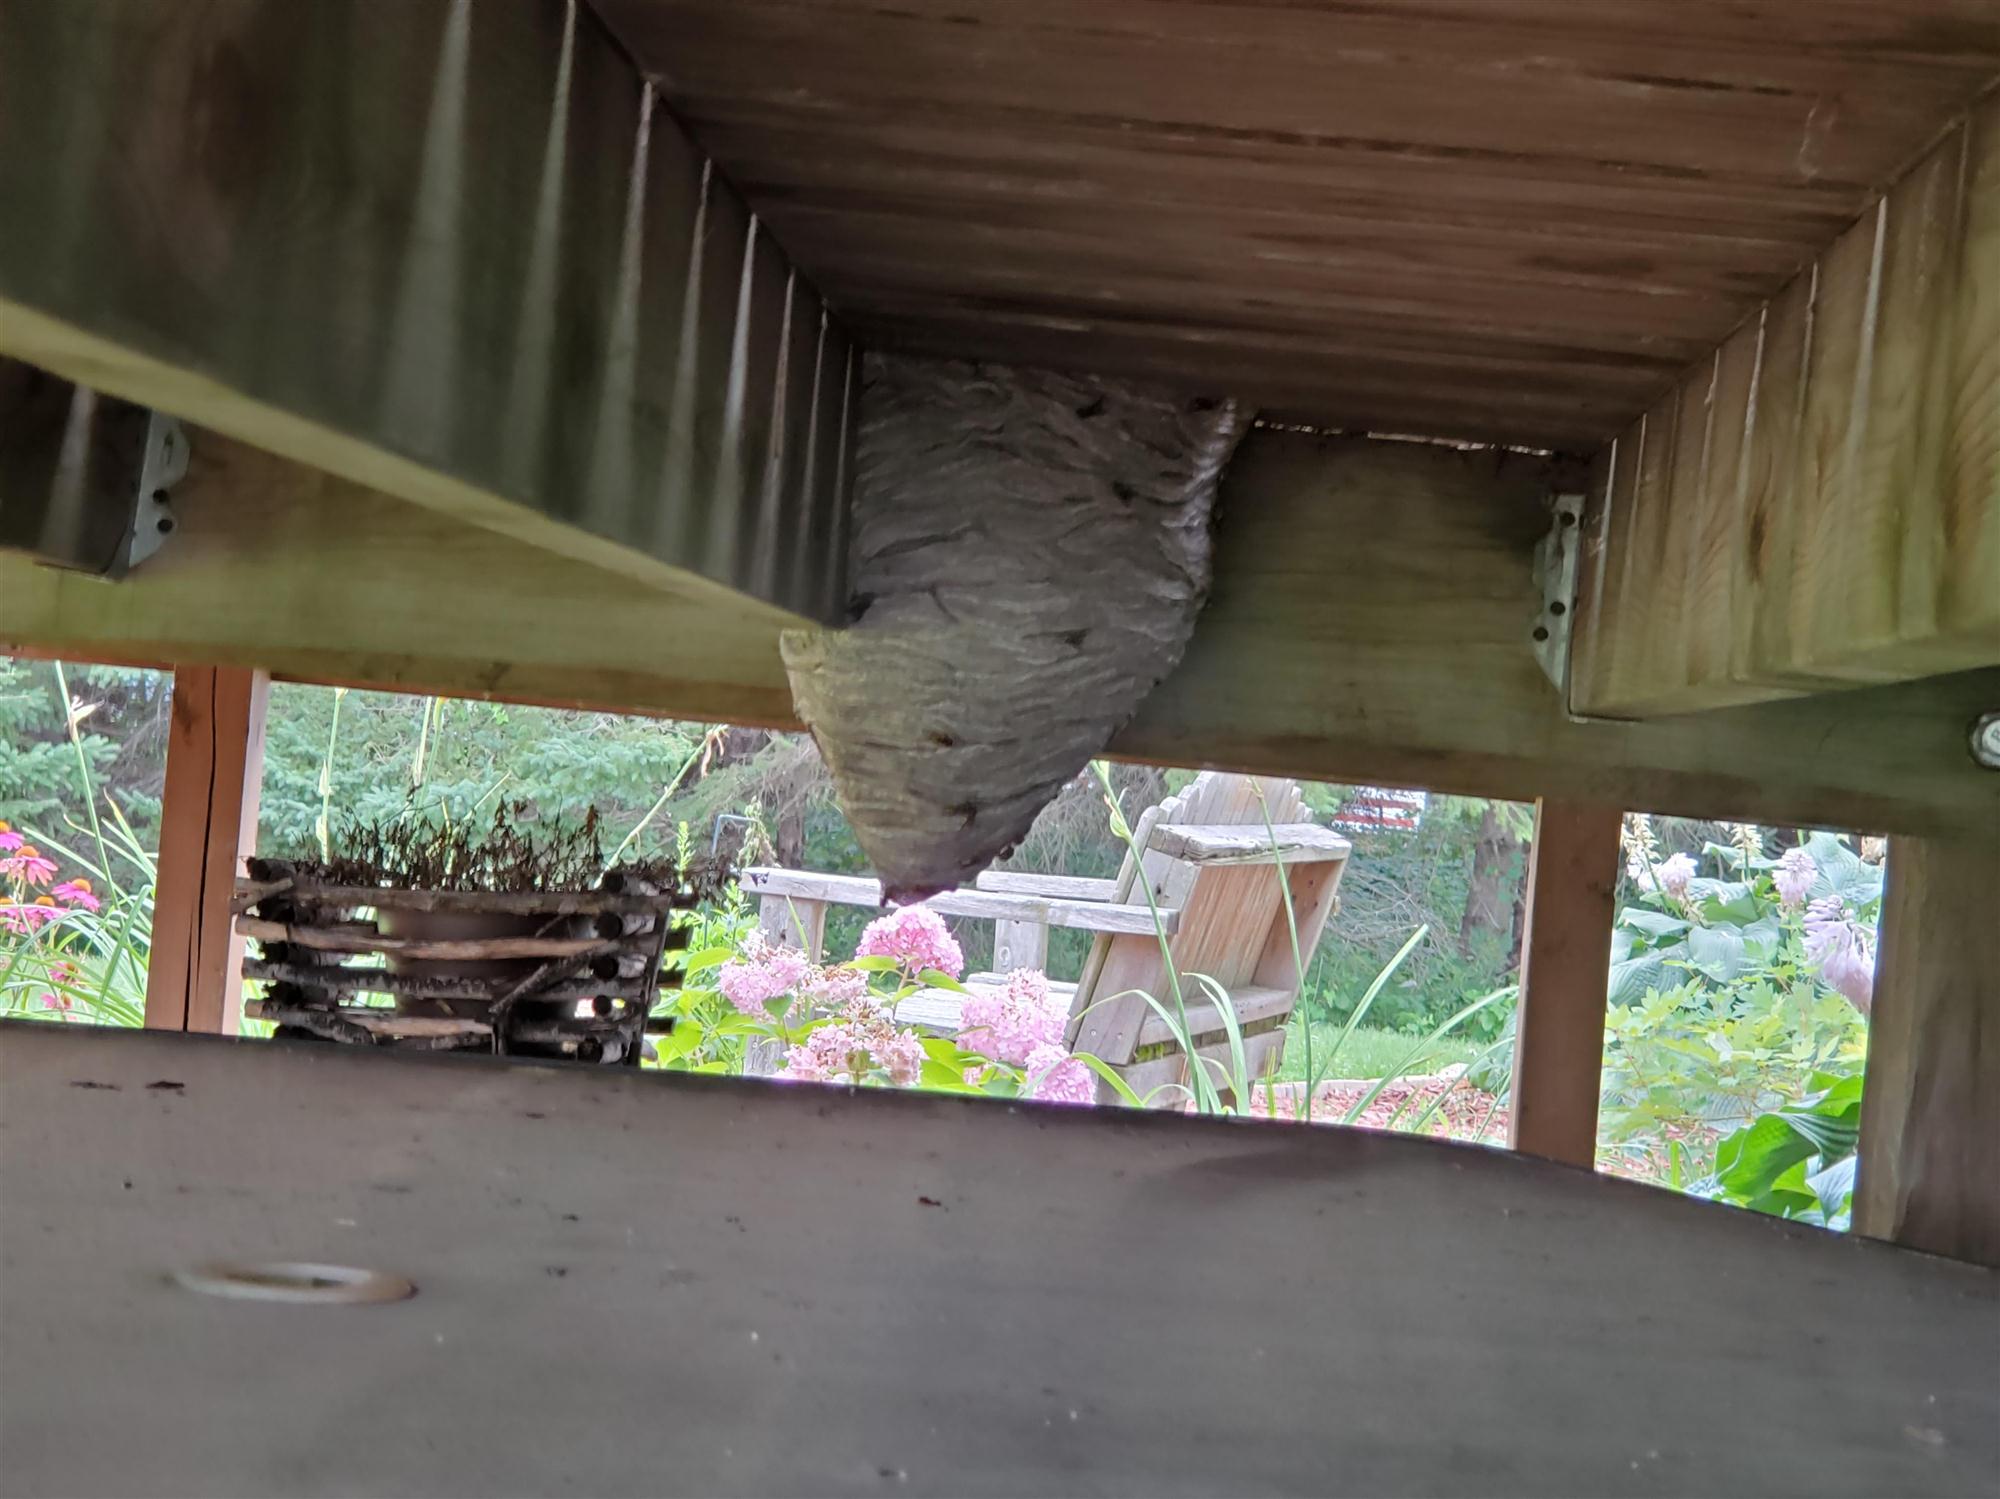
(1212, 858)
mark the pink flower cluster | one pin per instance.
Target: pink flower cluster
(762, 973)
(915, 939)
(1675, 875)
(1054, 1076)
(1794, 876)
(852, 1050)
(28, 868)
(1841, 949)
(1009, 1021)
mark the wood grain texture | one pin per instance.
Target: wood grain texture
(1817, 504)
(277, 565)
(1030, 554)
(1565, 957)
(1367, 622)
(1517, 219)
(1929, 1173)
(208, 825)
(1529, 1329)
(452, 251)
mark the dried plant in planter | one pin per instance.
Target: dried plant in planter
(513, 938)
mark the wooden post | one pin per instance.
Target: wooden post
(785, 921)
(1929, 1170)
(208, 822)
(793, 921)
(1020, 944)
(1565, 965)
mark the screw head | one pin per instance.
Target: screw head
(1986, 740)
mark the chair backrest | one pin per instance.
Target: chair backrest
(1232, 922)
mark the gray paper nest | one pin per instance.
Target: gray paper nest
(1030, 551)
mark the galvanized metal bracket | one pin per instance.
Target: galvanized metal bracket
(85, 479)
(1555, 573)
(164, 465)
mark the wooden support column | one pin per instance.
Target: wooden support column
(1929, 1172)
(208, 822)
(1565, 967)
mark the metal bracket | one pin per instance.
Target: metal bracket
(165, 464)
(1556, 557)
(84, 477)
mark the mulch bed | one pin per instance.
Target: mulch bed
(1467, 1113)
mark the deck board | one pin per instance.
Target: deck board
(637, 1284)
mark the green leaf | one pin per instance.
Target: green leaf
(938, 980)
(873, 964)
(1655, 924)
(1117, 1084)
(708, 957)
(1718, 952)
(679, 1042)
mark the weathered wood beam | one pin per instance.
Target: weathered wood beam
(454, 252)
(1565, 960)
(1929, 1171)
(208, 823)
(1368, 622)
(1817, 505)
(318, 578)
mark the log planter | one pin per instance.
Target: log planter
(567, 974)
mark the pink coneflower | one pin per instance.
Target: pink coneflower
(77, 892)
(23, 918)
(9, 839)
(59, 1002)
(916, 939)
(29, 865)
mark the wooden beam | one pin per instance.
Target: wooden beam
(1929, 1172)
(1368, 622)
(454, 252)
(1565, 968)
(1817, 505)
(208, 823)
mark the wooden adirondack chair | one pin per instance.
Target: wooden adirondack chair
(1211, 857)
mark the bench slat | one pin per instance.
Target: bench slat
(991, 905)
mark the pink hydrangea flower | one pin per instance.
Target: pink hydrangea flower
(1008, 1021)
(77, 892)
(1794, 876)
(902, 1057)
(1841, 949)
(759, 975)
(1054, 1076)
(29, 865)
(916, 939)
(1675, 875)
(837, 989)
(853, 1052)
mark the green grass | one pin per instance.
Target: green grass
(1367, 1052)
